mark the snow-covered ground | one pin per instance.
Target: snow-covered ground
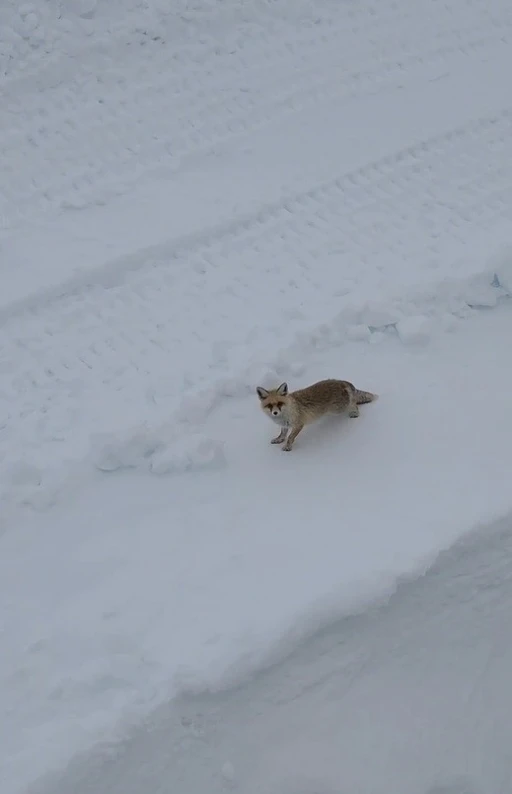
(195, 202)
(411, 697)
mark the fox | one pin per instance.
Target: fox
(292, 411)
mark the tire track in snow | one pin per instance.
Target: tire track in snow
(157, 108)
(363, 190)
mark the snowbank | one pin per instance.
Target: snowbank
(423, 681)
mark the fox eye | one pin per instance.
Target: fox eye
(280, 405)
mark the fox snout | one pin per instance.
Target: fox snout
(274, 409)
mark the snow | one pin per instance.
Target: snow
(195, 203)
(144, 587)
(412, 696)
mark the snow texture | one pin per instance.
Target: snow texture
(199, 198)
(419, 685)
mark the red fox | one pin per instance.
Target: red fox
(293, 410)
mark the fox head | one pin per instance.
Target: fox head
(274, 400)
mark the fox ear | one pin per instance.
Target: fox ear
(262, 393)
(283, 390)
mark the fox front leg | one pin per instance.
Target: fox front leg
(291, 438)
(281, 437)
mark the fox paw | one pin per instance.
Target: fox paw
(286, 448)
(277, 440)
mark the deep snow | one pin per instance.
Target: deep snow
(194, 203)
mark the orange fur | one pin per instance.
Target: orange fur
(292, 411)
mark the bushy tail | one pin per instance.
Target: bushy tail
(365, 397)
